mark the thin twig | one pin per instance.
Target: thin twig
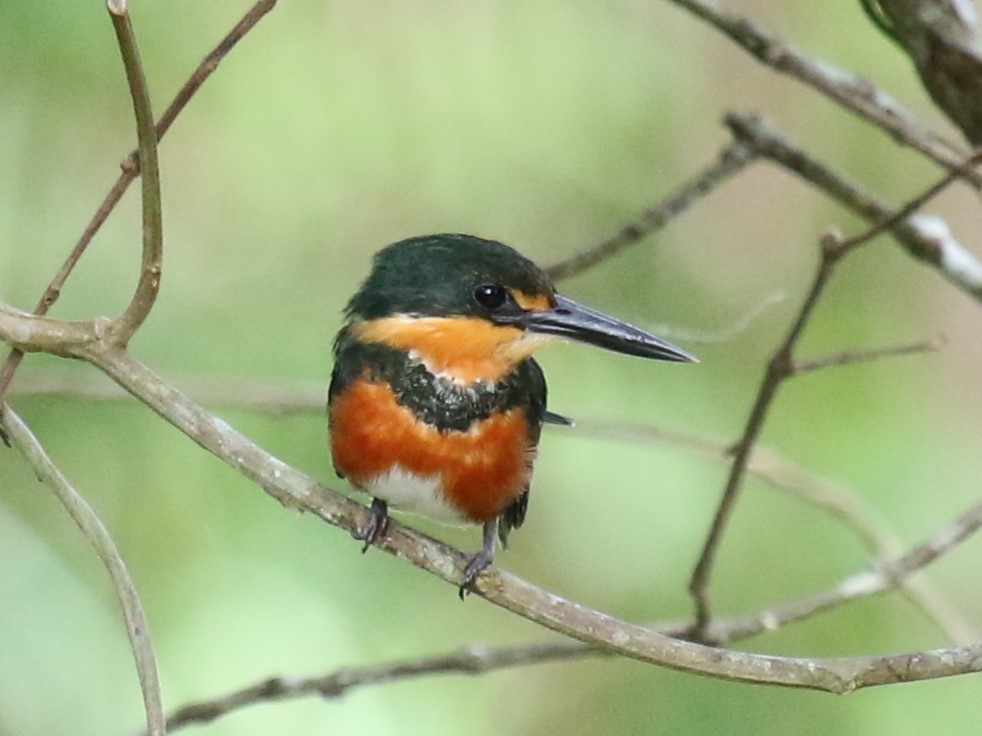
(853, 93)
(130, 170)
(925, 238)
(96, 534)
(778, 369)
(912, 205)
(883, 577)
(472, 660)
(731, 160)
(851, 357)
(269, 397)
(204, 70)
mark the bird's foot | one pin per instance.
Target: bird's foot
(378, 523)
(481, 560)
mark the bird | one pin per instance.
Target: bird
(435, 404)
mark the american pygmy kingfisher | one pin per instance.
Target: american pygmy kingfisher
(435, 403)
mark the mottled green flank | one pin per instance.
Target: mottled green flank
(340, 126)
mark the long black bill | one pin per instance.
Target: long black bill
(577, 322)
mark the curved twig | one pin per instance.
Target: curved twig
(153, 236)
(95, 533)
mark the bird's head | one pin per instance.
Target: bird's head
(472, 308)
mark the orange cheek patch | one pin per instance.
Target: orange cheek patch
(467, 348)
(482, 470)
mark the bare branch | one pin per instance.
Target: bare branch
(844, 504)
(204, 70)
(96, 534)
(883, 576)
(923, 237)
(31, 333)
(853, 93)
(733, 159)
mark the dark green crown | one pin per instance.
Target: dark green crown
(436, 276)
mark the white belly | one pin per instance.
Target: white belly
(417, 494)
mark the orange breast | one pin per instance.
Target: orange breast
(481, 471)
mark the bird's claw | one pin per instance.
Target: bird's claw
(477, 564)
(480, 561)
(375, 527)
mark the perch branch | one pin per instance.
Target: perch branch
(296, 490)
(476, 660)
(765, 465)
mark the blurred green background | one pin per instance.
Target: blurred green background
(340, 126)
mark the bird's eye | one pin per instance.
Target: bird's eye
(490, 296)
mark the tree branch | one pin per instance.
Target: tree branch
(781, 365)
(853, 93)
(472, 660)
